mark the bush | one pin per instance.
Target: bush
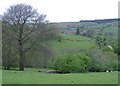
(72, 63)
(60, 38)
(102, 61)
(112, 60)
(107, 48)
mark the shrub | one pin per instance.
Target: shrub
(107, 48)
(112, 60)
(72, 63)
(60, 38)
(102, 61)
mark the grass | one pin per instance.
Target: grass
(75, 37)
(32, 76)
(0, 77)
(75, 43)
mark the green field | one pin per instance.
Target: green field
(75, 43)
(32, 76)
(0, 77)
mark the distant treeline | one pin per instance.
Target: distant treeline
(101, 20)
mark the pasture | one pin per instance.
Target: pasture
(71, 43)
(32, 76)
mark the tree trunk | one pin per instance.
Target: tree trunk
(4, 63)
(8, 68)
(8, 58)
(21, 57)
(44, 62)
(8, 65)
(5, 68)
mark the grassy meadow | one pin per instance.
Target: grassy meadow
(32, 76)
(0, 76)
(70, 43)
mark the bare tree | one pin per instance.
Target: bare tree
(19, 17)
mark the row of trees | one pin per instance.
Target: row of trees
(25, 36)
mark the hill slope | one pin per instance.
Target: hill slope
(72, 44)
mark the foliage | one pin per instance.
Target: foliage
(9, 51)
(87, 32)
(116, 46)
(26, 34)
(100, 41)
(107, 48)
(77, 31)
(60, 38)
(72, 63)
(102, 61)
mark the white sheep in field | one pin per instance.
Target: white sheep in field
(109, 71)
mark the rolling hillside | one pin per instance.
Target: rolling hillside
(75, 43)
(108, 26)
(72, 44)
